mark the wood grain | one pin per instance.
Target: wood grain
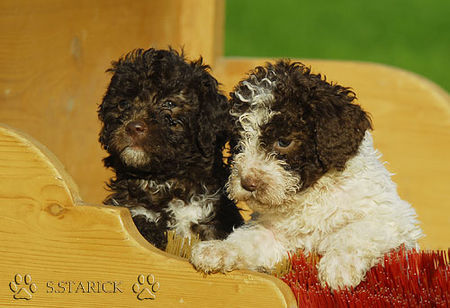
(44, 235)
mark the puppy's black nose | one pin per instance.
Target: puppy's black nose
(249, 183)
(136, 128)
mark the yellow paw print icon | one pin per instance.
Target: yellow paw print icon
(22, 287)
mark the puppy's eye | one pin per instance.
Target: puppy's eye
(170, 104)
(123, 104)
(283, 143)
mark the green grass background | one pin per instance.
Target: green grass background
(410, 34)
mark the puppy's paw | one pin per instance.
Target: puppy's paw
(341, 271)
(214, 256)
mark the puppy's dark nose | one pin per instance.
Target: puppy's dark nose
(136, 128)
(249, 183)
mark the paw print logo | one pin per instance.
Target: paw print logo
(146, 287)
(22, 287)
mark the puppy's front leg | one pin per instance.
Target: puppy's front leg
(349, 253)
(249, 247)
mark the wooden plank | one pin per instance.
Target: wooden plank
(201, 24)
(92, 256)
(411, 116)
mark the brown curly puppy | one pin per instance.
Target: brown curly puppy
(165, 124)
(306, 165)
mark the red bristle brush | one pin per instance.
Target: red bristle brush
(402, 279)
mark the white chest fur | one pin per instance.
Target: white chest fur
(200, 208)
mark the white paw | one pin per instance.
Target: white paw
(214, 256)
(342, 271)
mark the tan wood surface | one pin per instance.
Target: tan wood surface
(44, 235)
(411, 118)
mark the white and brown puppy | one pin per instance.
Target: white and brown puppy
(306, 165)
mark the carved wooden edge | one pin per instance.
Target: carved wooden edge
(46, 160)
(60, 208)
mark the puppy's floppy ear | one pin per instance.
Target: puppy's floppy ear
(340, 126)
(214, 125)
(214, 121)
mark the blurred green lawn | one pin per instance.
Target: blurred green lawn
(410, 34)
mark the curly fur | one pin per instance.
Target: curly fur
(165, 124)
(305, 163)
